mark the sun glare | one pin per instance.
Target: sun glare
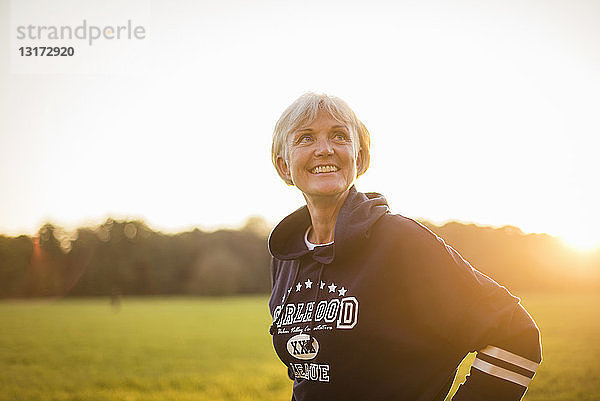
(582, 242)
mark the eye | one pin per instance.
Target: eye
(304, 139)
(340, 136)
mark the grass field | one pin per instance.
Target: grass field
(219, 349)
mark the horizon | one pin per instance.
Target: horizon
(94, 224)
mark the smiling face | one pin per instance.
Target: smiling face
(321, 157)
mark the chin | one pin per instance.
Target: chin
(325, 190)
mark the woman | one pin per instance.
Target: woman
(368, 305)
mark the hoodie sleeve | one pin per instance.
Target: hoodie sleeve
(476, 314)
(503, 368)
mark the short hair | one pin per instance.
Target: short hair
(303, 111)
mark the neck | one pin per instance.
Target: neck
(323, 215)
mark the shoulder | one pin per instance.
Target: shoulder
(396, 227)
(411, 248)
(427, 255)
(278, 267)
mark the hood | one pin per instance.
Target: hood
(358, 213)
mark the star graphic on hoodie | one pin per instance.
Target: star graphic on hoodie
(342, 291)
(308, 283)
(298, 287)
(332, 287)
(322, 285)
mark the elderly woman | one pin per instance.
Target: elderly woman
(369, 305)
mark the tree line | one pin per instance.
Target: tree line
(128, 258)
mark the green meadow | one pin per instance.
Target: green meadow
(219, 349)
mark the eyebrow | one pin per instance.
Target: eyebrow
(311, 130)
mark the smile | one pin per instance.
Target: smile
(324, 169)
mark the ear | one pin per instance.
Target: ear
(284, 170)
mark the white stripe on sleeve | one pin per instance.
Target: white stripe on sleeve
(509, 357)
(501, 372)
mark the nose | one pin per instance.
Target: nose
(323, 148)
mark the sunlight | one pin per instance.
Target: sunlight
(582, 241)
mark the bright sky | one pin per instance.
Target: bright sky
(484, 112)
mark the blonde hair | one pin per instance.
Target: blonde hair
(303, 111)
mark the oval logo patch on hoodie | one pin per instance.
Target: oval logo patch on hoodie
(300, 347)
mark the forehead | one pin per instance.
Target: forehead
(323, 120)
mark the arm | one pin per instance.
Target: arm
(503, 369)
(474, 313)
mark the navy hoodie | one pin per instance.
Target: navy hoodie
(388, 311)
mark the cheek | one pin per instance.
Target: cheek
(295, 164)
(352, 157)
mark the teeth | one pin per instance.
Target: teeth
(324, 169)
